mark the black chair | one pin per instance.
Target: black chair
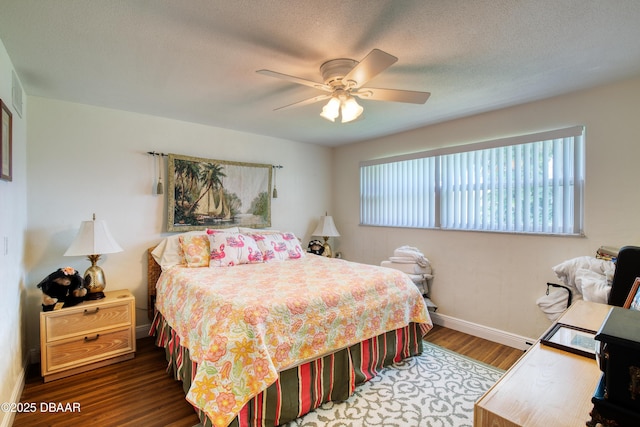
(627, 269)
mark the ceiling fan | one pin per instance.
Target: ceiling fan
(344, 79)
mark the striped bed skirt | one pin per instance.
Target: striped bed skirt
(300, 389)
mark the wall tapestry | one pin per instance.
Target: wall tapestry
(205, 193)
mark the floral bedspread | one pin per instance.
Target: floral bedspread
(245, 323)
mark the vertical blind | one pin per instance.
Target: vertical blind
(400, 194)
(529, 184)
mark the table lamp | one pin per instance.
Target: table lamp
(92, 240)
(326, 228)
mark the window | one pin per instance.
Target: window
(526, 184)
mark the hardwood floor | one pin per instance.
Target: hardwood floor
(500, 356)
(139, 392)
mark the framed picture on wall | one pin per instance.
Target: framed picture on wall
(5, 142)
(633, 300)
(207, 193)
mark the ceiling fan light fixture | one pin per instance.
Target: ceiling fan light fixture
(350, 110)
(344, 77)
(331, 111)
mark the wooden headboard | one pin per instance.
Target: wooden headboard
(153, 273)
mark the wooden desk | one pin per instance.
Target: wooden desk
(547, 386)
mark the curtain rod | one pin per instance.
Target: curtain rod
(153, 153)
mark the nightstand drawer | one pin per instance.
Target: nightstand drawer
(90, 318)
(89, 348)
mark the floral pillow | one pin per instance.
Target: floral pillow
(229, 249)
(278, 246)
(195, 249)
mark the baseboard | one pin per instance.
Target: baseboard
(142, 331)
(9, 416)
(491, 334)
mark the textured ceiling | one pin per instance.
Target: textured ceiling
(196, 60)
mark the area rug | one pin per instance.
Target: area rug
(436, 389)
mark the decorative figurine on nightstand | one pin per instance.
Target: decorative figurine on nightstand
(62, 288)
(315, 247)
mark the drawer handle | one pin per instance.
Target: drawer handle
(87, 339)
(91, 312)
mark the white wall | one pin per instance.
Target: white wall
(13, 223)
(84, 159)
(494, 279)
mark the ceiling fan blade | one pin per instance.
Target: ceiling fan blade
(373, 64)
(305, 102)
(294, 79)
(395, 95)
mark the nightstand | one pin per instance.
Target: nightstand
(87, 336)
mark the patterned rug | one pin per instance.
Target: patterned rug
(435, 389)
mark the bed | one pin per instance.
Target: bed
(261, 333)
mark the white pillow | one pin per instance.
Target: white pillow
(168, 252)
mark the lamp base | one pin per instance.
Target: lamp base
(327, 249)
(95, 295)
(94, 280)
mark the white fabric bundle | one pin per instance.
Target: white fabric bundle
(411, 262)
(595, 287)
(588, 278)
(407, 267)
(408, 253)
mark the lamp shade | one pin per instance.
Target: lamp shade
(93, 238)
(326, 227)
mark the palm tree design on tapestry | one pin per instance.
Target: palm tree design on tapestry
(199, 192)
(211, 176)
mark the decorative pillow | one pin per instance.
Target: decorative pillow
(195, 249)
(278, 247)
(229, 249)
(168, 252)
